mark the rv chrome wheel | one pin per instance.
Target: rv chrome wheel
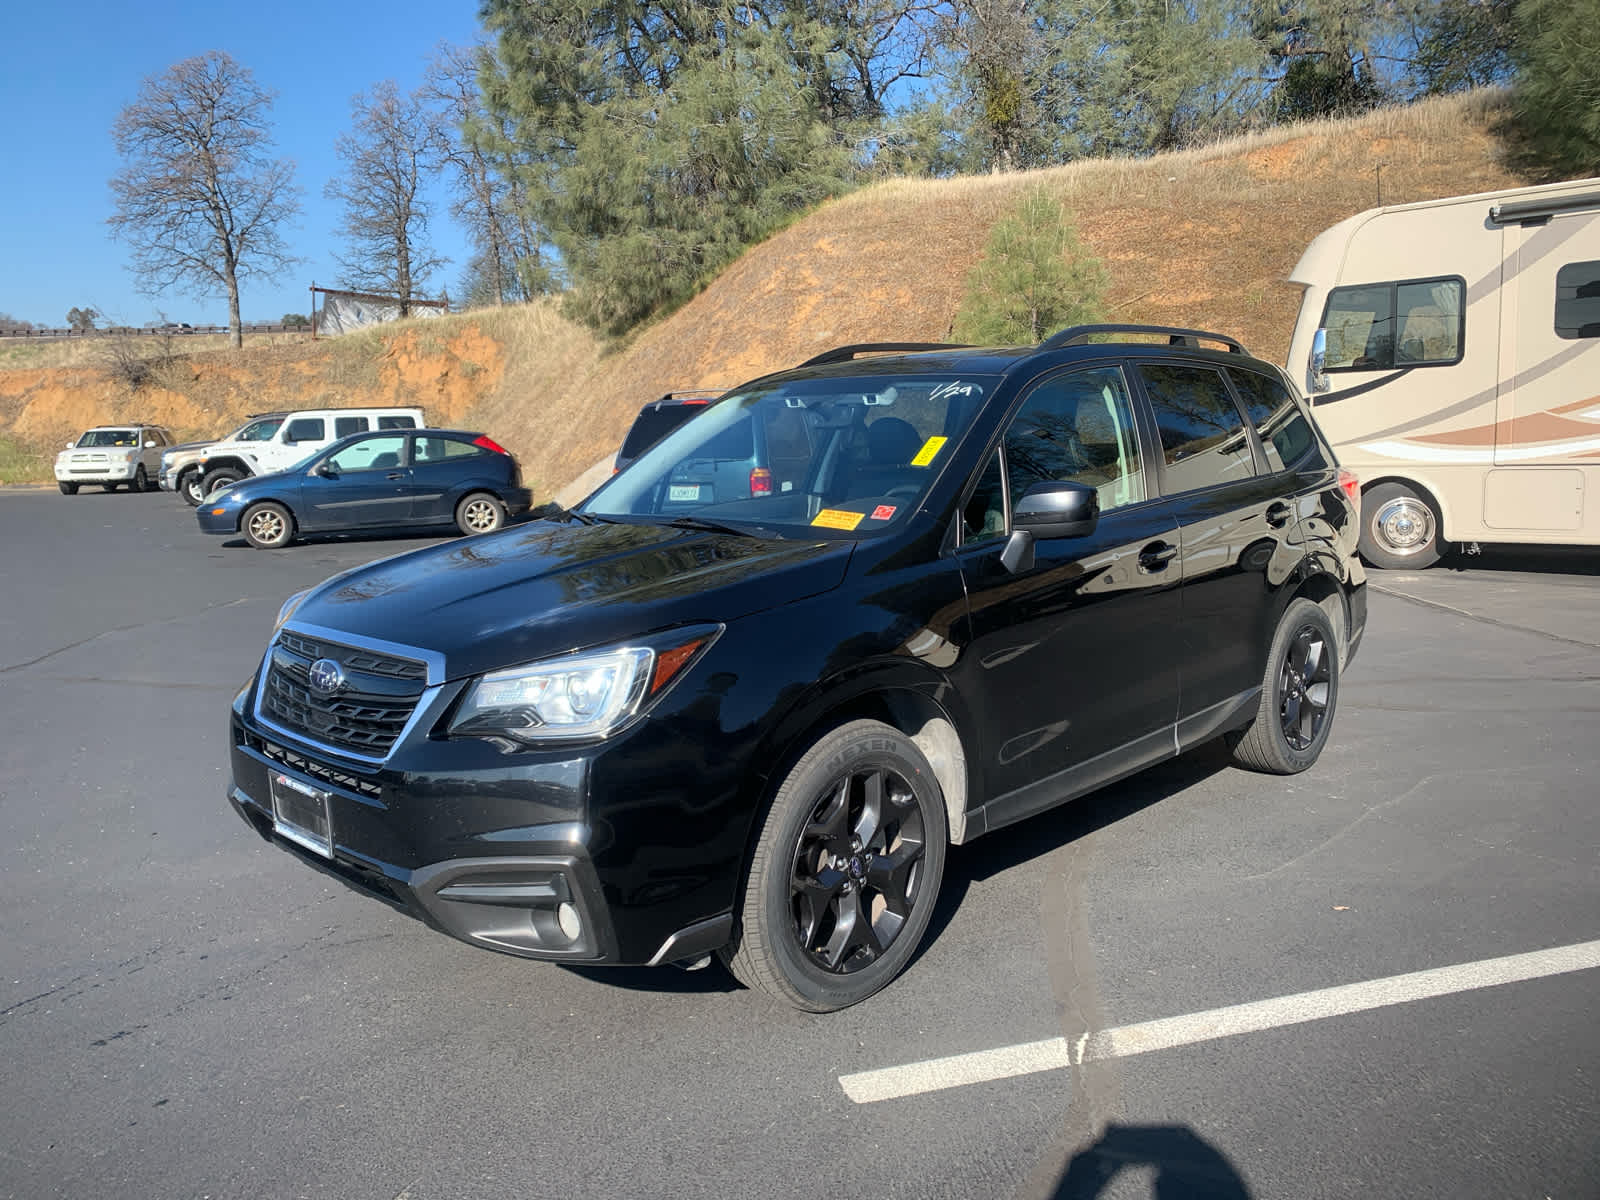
(1404, 525)
(1400, 528)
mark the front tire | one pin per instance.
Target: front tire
(480, 513)
(141, 481)
(845, 871)
(1298, 695)
(1399, 528)
(267, 526)
(67, 489)
(189, 488)
(215, 479)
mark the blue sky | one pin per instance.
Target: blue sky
(67, 67)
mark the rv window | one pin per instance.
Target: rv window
(1202, 433)
(1285, 433)
(1380, 326)
(1578, 300)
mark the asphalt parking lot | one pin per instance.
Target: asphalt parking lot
(1151, 987)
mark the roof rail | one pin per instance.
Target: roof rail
(1079, 334)
(846, 353)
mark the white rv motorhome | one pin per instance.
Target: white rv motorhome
(1452, 352)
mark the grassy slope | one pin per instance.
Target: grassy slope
(1204, 238)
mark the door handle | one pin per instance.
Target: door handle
(1156, 556)
(1278, 513)
(395, 475)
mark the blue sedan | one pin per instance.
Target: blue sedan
(375, 480)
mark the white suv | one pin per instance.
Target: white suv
(113, 455)
(298, 435)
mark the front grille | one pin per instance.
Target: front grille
(286, 757)
(365, 716)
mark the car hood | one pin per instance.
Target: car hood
(548, 587)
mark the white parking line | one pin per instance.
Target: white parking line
(1030, 1058)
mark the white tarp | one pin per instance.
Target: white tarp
(343, 312)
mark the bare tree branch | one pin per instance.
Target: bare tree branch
(392, 147)
(199, 199)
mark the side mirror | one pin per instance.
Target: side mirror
(328, 470)
(1057, 509)
(1316, 369)
(149, 445)
(72, 445)
(289, 439)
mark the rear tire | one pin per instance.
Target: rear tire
(1299, 694)
(67, 489)
(1399, 528)
(480, 512)
(215, 479)
(845, 872)
(267, 525)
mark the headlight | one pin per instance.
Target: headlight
(579, 697)
(289, 605)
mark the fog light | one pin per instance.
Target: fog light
(567, 916)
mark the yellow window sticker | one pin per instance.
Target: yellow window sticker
(837, 518)
(929, 452)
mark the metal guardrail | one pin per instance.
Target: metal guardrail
(126, 331)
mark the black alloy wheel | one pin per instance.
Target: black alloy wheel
(845, 871)
(1299, 694)
(1305, 687)
(857, 868)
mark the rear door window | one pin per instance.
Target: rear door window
(345, 426)
(396, 423)
(1203, 441)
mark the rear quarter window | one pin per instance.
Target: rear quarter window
(1286, 435)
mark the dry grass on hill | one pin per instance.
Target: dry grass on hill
(1205, 237)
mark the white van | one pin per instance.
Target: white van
(1452, 352)
(297, 435)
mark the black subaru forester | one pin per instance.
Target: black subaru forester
(735, 710)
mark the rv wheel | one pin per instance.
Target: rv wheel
(1399, 528)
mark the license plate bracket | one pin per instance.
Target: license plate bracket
(300, 813)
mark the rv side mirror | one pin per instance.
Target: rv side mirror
(1317, 368)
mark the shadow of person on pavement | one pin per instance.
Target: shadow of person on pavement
(1187, 1166)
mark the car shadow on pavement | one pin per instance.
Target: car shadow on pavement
(1037, 836)
(1186, 1165)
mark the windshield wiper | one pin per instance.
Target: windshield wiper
(688, 522)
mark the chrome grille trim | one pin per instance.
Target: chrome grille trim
(282, 693)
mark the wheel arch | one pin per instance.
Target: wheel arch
(896, 695)
(226, 462)
(274, 498)
(1326, 592)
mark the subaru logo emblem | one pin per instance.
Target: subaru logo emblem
(326, 677)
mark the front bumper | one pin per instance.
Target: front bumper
(107, 473)
(502, 852)
(218, 518)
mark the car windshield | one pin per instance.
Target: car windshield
(803, 456)
(258, 431)
(110, 437)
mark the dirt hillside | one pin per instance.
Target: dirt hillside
(1205, 237)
